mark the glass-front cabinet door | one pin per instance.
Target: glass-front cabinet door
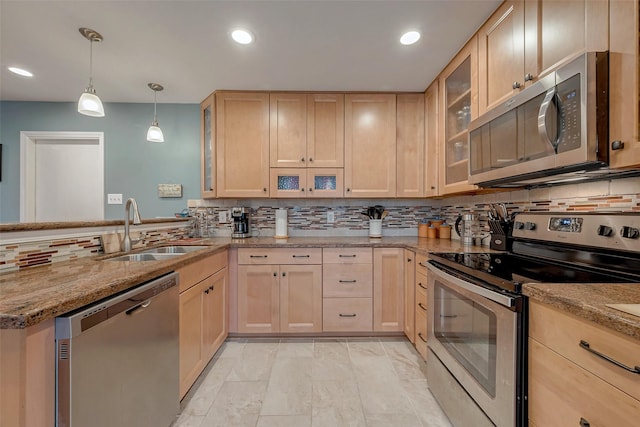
(459, 100)
(303, 183)
(325, 182)
(207, 120)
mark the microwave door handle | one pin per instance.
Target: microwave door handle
(542, 119)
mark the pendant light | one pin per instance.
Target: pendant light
(89, 104)
(154, 134)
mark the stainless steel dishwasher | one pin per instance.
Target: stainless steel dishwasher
(117, 360)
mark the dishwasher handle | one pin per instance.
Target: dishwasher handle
(129, 302)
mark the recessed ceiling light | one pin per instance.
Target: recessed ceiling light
(242, 36)
(20, 72)
(410, 37)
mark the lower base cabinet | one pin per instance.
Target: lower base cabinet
(203, 316)
(388, 290)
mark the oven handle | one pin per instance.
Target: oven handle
(504, 300)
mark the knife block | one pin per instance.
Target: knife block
(501, 239)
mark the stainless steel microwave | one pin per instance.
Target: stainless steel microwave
(554, 131)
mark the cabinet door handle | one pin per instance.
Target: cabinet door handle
(422, 265)
(516, 85)
(347, 315)
(206, 291)
(422, 306)
(585, 345)
(300, 256)
(310, 189)
(421, 337)
(211, 288)
(422, 286)
(348, 190)
(258, 256)
(408, 259)
(346, 256)
(264, 190)
(302, 189)
(302, 160)
(528, 77)
(275, 274)
(584, 423)
(617, 145)
(449, 316)
(346, 281)
(284, 274)
(310, 159)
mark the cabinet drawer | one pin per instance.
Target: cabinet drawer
(347, 315)
(421, 299)
(565, 340)
(421, 265)
(421, 332)
(280, 256)
(347, 255)
(561, 393)
(340, 280)
(201, 269)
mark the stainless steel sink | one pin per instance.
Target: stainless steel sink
(176, 249)
(144, 257)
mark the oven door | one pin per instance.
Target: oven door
(473, 331)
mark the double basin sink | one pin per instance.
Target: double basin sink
(157, 254)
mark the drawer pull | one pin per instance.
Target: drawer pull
(585, 345)
(300, 256)
(422, 265)
(346, 256)
(422, 306)
(422, 286)
(421, 337)
(347, 315)
(584, 423)
(347, 281)
(449, 316)
(257, 256)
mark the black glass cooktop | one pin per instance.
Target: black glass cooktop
(508, 271)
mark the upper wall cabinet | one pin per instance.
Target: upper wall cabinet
(526, 39)
(207, 147)
(432, 148)
(410, 145)
(459, 105)
(242, 144)
(624, 88)
(370, 145)
(306, 130)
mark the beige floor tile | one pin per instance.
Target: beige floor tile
(336, 403)
(231, 349)
(238, 403)
(186, 420)
(260, 348)
(425, 405)
(289, 390)
(284, 421)
(252, 366)
(295, 349)
(393, 420)
(331, 362)
(378, 368)
(365, 348)
(406, 361)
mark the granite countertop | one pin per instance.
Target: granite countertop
(588, 302)
(33, 295)
(32, 226)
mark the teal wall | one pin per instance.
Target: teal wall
(133, 166)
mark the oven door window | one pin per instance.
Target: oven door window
(468, 331)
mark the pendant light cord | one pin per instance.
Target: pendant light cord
(90, 63)
(155, 102)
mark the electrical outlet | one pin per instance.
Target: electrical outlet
(331, 217)
(114, 199)
(223, 217)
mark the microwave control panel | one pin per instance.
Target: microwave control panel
(569, 114)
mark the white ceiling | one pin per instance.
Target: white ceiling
(327, 45)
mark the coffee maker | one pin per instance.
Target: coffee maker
(241, 228)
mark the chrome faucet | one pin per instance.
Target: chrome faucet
(126, 241)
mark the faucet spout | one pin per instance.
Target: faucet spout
(126, 241)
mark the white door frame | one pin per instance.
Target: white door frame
(27, 165)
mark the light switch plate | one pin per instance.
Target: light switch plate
(169, 190)
(114, 199)
(223, 217)
(331, 217)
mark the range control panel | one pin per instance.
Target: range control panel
(616, 230)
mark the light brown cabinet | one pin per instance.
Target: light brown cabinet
(347, 289)
(409, 294)
(388, 290)
(207, 147)
(420, 307)
(526, 39)
(288, 130)
(568, 383)
(370, 145)
(432, 139)
(242, 144)
(203, 315)
(410, 147)
(624, 86)
(459, 105)
(279, 290)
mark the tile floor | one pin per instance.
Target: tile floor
(313, 382)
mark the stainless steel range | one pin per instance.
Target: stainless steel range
(476, 363)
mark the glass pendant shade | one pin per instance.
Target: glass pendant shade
(89, 104)
(154, 134)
